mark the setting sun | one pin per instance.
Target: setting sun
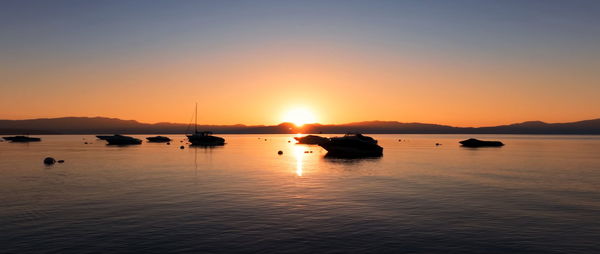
(299, 116)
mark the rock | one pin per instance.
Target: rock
(61, 161)
(49, 161)
(480, 143)
(181, 147)
(168, 143)
(280, 152)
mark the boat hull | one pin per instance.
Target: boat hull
(197, 140)
(311, 140)
(480, 143)
(158, 139)
(103, 137)
(122, 140)
(22, 139)
(352, 149)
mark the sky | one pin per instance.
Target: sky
(462, 63)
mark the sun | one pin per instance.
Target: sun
(299, 116)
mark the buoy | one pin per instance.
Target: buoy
(280, 152)
(49, 161)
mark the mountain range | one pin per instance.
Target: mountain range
(103, 125)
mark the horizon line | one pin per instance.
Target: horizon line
(315, 123)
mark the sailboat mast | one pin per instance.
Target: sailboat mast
(196, 119)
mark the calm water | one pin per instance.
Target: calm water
(538, 194)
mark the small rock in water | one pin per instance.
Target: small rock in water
(438, 144)
(61, 161)
(280, 152)
(181, 147)
(85, 143)
(168, 143)
(265, 139)
(49, 161)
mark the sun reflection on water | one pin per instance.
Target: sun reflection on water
(299, 154)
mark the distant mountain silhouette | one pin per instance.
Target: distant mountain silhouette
(102, 125)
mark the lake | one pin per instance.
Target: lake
(537, 194)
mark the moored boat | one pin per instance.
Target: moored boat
(21, 139)
(104, 137)
(203, 138)
(352, 145)
(480, 143)
(122, 140)
(311, 140)
(158, 139)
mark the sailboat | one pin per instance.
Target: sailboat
(203, 138)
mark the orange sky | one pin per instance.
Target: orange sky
(336, 87)
(255, 73)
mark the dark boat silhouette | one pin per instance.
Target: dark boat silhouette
(311, 140)
(203, 138)
(158, 139)
(104, 137)
(122, 140)
(352, 145)
(480, 143)
(21, 139)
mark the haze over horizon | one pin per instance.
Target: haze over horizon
(379, 123)
(459, 63)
